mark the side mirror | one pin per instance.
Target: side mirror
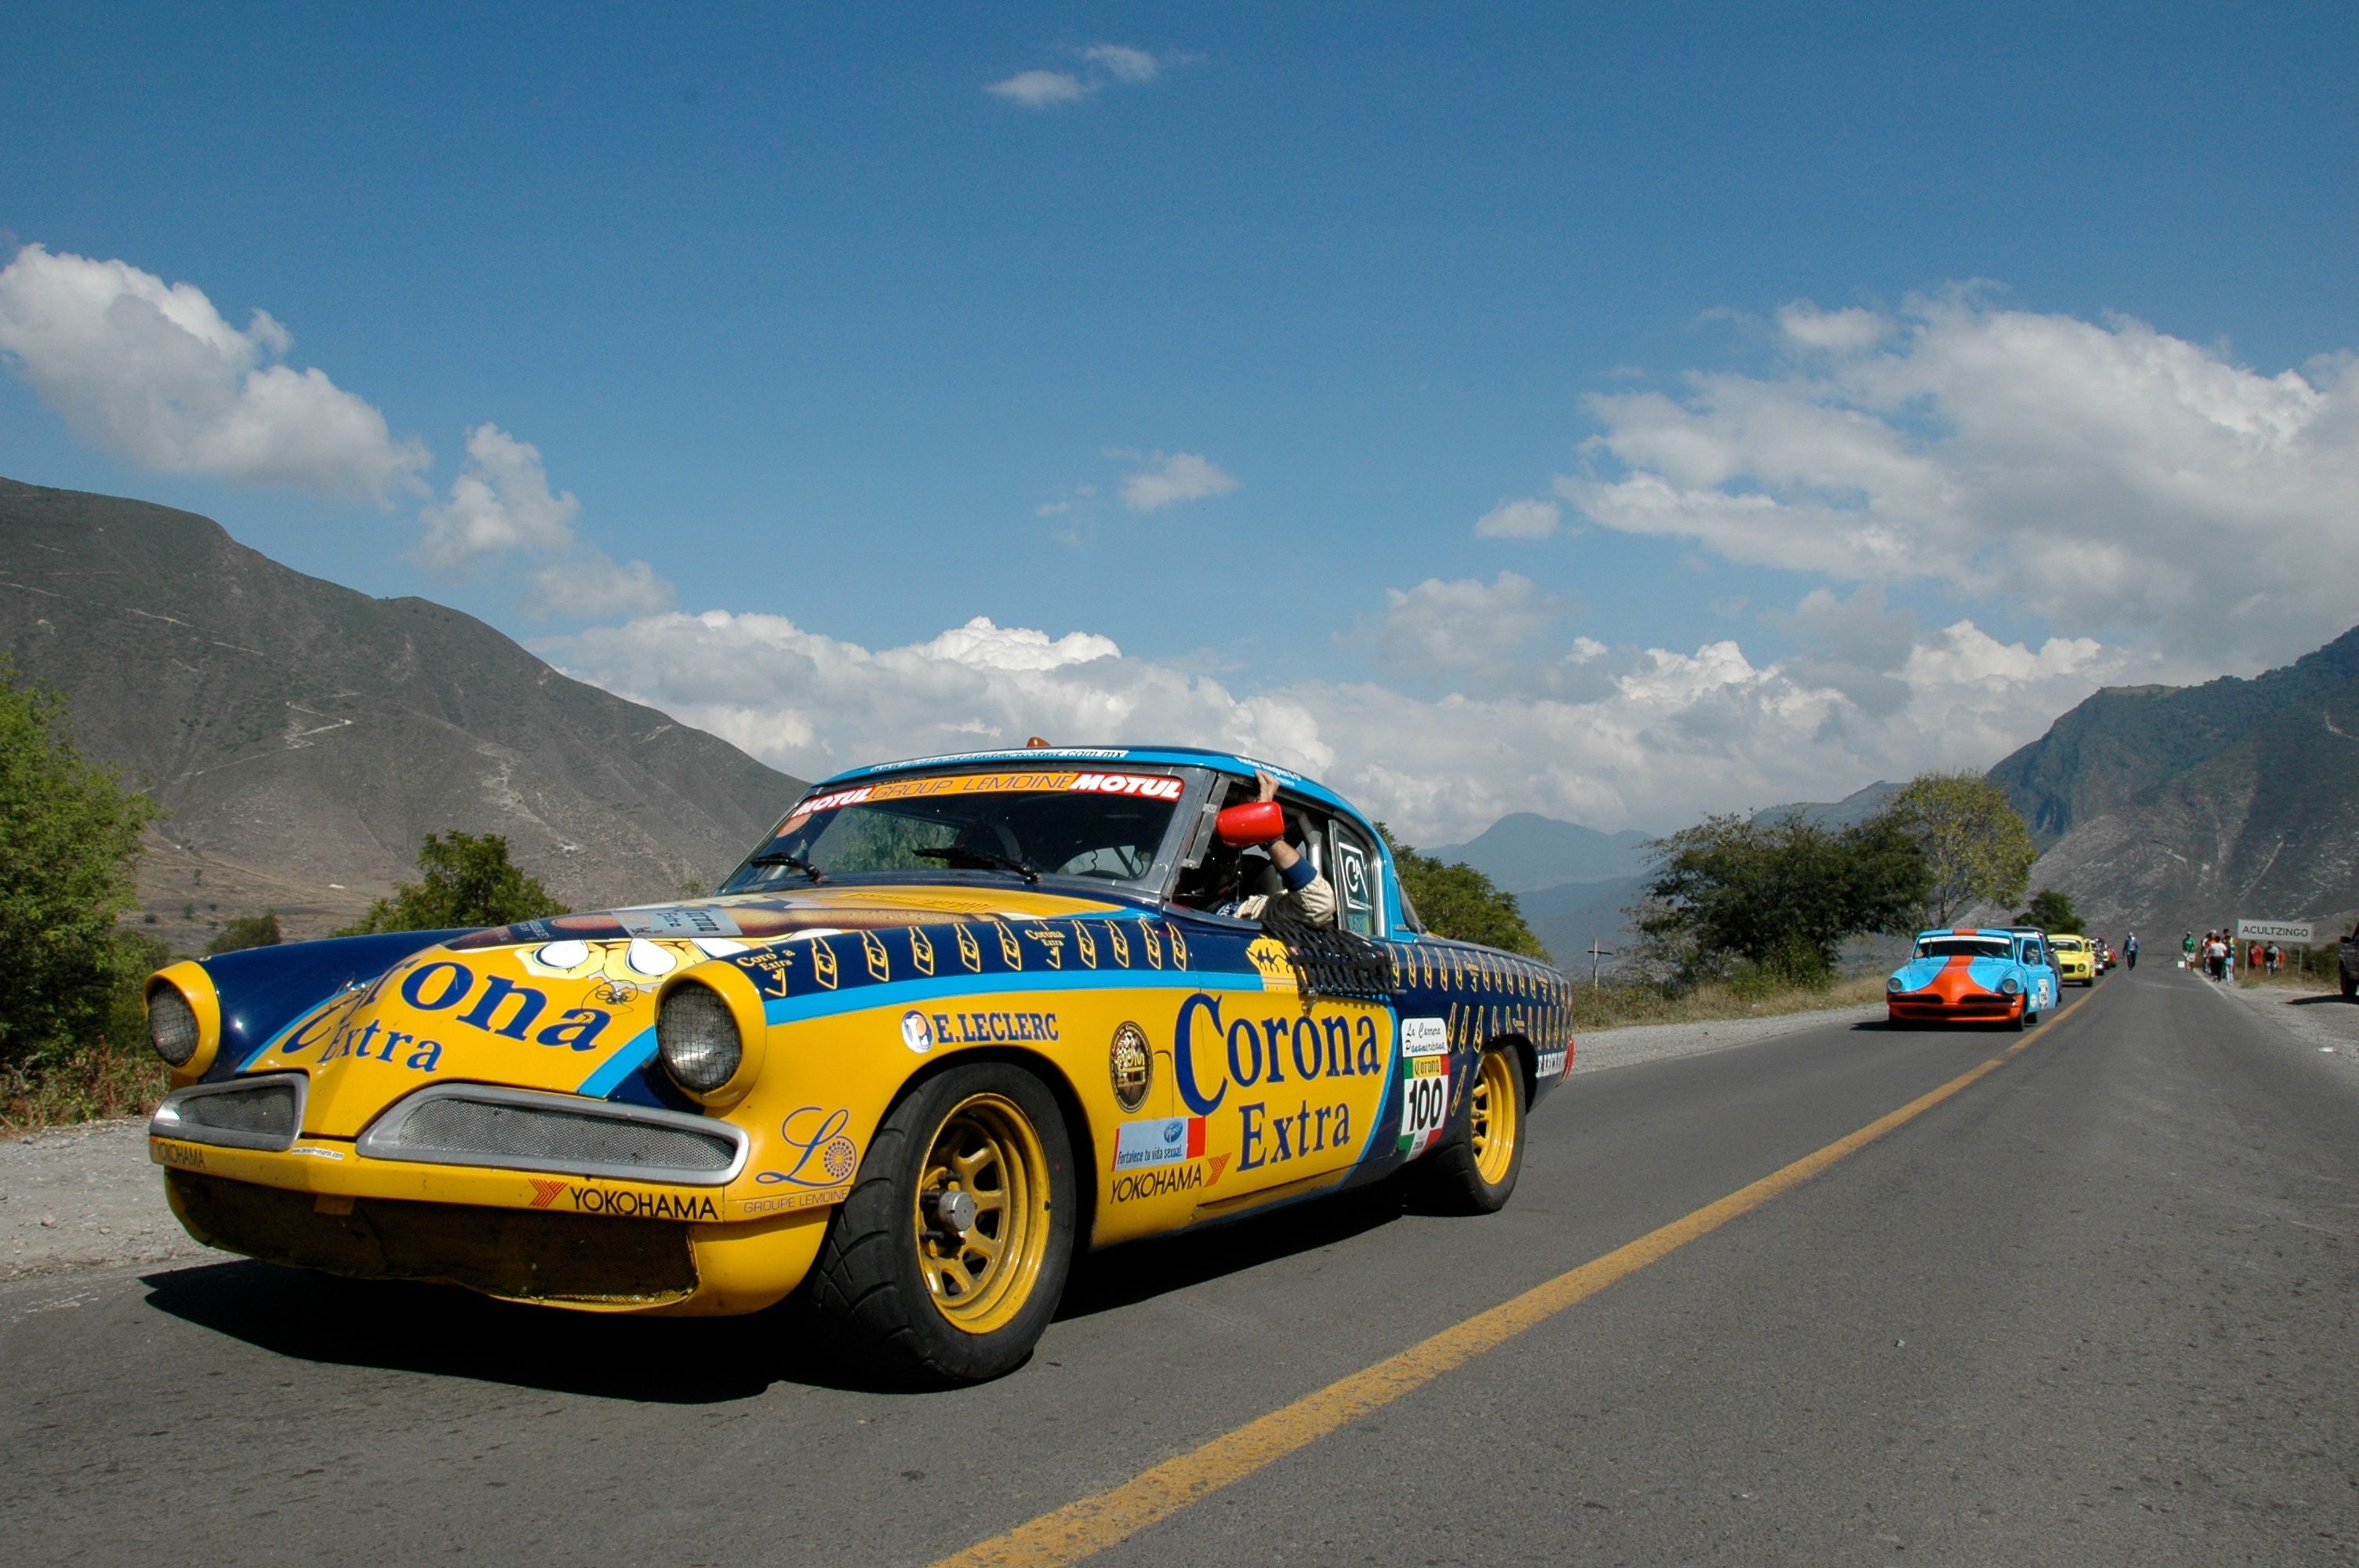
(1256, 822)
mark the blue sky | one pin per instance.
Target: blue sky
(850, 348)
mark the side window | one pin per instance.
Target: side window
(1352, 867)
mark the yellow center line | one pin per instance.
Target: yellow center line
(1088, 1526)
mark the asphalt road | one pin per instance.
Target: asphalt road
(2096, 1307)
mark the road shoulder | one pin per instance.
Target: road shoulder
(1628, 1046)
(2320, 1020)
(81, 1197)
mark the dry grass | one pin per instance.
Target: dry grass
(1613, 1006)
(89, 1084)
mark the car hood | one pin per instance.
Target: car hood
(568, 1003)
(1953, 974)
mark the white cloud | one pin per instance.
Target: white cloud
(2108, 477)
(1652, 738)
(150, 371)
(1122, 62)
(1176, 477)
(1105, 65)
(592, 587)
(1041, 88)
(1517, 519)
(1453, 630)
(500, 502)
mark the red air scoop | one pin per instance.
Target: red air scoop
(1256, 822)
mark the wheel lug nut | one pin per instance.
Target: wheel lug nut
(955, 1210)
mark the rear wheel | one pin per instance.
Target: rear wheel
(947, 1261)
(1474, 1170)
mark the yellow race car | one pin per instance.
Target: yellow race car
(953, 1020)
(2076, 959)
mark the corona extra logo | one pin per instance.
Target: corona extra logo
(921, 951)
(1179, 947)
(1052, 943)
(880, 964)
(970, 951)
(823, 963)
(1084, 943)
(1008, 947)
(1121, 945)
(1153, 948)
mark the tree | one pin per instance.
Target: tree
(468, 881)
(1780, 896)
(69, 847)
(247, 931)
(1975, 846)
(2052, 912)
(1454, 899)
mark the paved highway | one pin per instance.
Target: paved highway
(2096, 1305)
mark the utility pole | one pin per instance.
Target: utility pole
(1595, 952)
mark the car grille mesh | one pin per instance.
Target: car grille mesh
(264, 1112)
(450, 1126)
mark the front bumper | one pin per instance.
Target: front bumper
(529, 1229)
(1976, 1007)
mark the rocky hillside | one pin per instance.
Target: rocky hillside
(304, 737)
(2165, 808)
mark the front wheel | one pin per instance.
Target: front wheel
(946, 1262)
(1474, 1170)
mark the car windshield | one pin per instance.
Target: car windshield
(1962, 948)
(1062, 822)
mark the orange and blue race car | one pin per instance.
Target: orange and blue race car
(1973, 975)
(952, 1021)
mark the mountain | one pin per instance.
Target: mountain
(304, 737)
(1523, 852)
(2171, 808)
(1834, 816)
(1568, 917)
(2126, 739)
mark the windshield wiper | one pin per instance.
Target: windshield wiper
(968, 860)
(792, 862)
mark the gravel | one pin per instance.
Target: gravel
(78, 1198)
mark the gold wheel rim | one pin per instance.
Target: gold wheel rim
(980, 1273)
(1491, 1121)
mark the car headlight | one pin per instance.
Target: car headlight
(696, 1036)
(172, 1025)
(2010, 984)
(1896, 984)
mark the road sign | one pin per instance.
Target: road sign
(2296, 931)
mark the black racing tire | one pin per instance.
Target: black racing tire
(2022, 1021)
(2350, 988)
(1469, 1172)
(874, 1288)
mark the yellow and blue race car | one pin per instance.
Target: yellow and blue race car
(953, 1020)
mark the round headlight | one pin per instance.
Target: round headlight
(171, 1025)
(1896, 984)
(2010, 984)
(696, 1036)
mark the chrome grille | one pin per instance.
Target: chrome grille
(476, 1125)
(251, 1113)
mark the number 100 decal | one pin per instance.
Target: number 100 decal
(1425, 1102)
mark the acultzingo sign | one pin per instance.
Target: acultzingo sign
(2274, 931)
